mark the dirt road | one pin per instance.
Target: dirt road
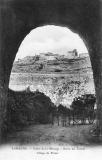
(48, 134)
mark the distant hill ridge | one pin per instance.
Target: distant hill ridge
(50, 62)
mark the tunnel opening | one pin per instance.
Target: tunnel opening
(51, 44)
(53, 61)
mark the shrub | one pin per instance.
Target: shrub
(25, 108)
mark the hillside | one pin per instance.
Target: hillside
(50, 63)
(58, 77)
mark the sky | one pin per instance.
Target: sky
(51, 38)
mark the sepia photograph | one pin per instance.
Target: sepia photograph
(50, 79)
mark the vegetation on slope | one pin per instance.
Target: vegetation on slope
(25, 108)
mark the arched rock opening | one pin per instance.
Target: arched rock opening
(18, 17)
(56, 40)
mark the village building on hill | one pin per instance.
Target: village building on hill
(48, 56)
(72, 54)
(82, 55)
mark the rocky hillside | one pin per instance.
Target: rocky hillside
(59, 77)
(50, 63)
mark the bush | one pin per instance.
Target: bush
(25, 108)
(85, 102)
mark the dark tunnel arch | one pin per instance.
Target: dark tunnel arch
(82, 16)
